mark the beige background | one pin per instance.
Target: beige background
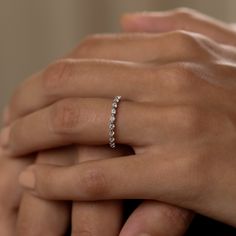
(33, 33)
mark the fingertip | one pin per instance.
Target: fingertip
(128, 21)
(152, 22)
(27, 178)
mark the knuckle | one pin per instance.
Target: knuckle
(180, 77)
(94, 182)
(187, 41)
(64, 116)
(183, 13)
(192, 45)
(92, 45)
(56, 75)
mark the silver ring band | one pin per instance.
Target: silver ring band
(112, 122)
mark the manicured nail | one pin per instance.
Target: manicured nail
(5, 137)
(27, 178)
(6, 116)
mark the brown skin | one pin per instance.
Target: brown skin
(103, 53)
(179, 117)
(180, 19)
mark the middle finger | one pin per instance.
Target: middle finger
(61, 79)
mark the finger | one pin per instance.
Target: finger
(69, 78)
(179, 19)
(143, 47)
(42, 217)
(81, 78)
(94, 217)
(83, 121)
(8, 223)
(119, 178)
(155, 218)
(10, 192)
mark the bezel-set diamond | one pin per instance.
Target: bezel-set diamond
(112, 121)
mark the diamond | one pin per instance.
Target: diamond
(112, 139)
(112, 119)
(113, 111)
(112, 126)
(114, 104)
(111, 133)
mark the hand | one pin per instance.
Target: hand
(143, 216)
(179, 120)
(180, 19)
(10, 192)
(90, 217)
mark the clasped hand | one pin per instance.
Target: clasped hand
(175, 123)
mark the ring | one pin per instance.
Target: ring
(112, 123)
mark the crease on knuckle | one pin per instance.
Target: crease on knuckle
(94, 182)
(64, 117)
(184, 13)
(56, 76)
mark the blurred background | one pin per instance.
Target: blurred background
(33, 33)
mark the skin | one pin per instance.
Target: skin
(33, 211)
(93, 43)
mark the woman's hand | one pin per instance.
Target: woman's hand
(194, 77)
(10, 192)
(41, 217)
(26, 214)
(142, 220)
(180, 19)
(93, 217)
(178, 113)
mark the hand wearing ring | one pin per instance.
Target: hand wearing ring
(178, 117)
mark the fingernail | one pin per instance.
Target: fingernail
(6, 116)
(27, 178)
(5, 137)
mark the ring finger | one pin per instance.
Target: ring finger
(84, 121)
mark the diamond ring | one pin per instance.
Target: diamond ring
(112, 123)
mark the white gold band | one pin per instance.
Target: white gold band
(112, 122)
